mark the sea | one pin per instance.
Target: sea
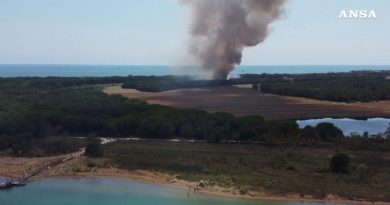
(117, 191)
(35, 70)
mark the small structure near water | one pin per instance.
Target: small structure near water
(202, 184)
(6, 182)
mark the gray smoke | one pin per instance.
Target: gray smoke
(221, 29)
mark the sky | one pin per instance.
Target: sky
(155, 32)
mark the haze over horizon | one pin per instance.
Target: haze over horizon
(155, 33)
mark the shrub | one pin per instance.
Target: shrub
(339, 164)
(93, 148)
(363, 171)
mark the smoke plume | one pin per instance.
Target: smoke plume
(221, 29)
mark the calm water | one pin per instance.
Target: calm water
(124, 70)
(114, 191)
(372, 125)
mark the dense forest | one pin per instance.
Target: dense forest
(35, 109)
(338, 87)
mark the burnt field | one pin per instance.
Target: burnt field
(241, 100)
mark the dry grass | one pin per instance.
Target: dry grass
(17, 166)
(245, 101)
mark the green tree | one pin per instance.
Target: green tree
(328, 132)
(309, 135)
(251, 128)
(157, 127)
(283, 131)
(20, 148)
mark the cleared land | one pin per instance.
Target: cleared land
(241, 100)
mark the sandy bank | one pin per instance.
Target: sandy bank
(169, 180)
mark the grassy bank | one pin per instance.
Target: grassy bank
(274, 170)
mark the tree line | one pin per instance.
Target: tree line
(361, 86)
(165, 83)
(338, 87)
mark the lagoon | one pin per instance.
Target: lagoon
(115, 191)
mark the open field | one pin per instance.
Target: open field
(245, 101)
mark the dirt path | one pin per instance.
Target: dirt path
(245, 101)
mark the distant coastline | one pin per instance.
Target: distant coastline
(45, 70)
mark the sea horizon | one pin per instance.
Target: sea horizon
(101, 70)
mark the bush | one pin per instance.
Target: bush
(309, 135)
(94, 148)
(363, 171)
(340, 164)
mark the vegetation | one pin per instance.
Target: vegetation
(339, 87)
(361, 86)
(164, 83)
(387, 133)
(33, 110)
(275, 170)
(42, 116)
(328, 132)
(25, 145)
(93, 148)
(340, 163)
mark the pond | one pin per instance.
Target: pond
(372, 125)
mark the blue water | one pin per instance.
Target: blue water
(115, 191)
(124, 70)
(373, 125)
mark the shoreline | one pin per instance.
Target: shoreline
(78, 168)
(170, 181)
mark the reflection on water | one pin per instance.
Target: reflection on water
(114, 191)
(348, 126)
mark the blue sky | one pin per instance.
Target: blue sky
(154, 32)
